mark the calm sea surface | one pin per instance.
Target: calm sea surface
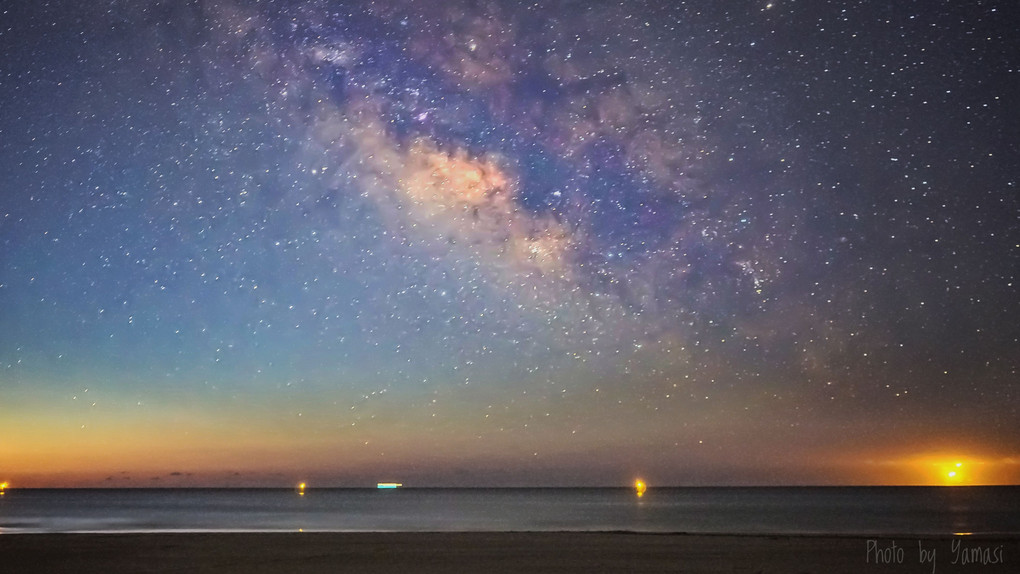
(907, 510)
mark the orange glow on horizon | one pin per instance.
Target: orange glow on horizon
(640, 487)
(955, 474)
(940, 470)
(936, 468)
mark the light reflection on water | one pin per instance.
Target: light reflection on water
(851, 510)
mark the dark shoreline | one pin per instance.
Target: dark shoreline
(495, 552)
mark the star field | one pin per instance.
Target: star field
(248, 243)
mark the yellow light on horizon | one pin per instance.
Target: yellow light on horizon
(954, 474)
(640, 487)
(3, 488)
(301, 489)
(953, 469)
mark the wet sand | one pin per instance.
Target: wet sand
(494, 553)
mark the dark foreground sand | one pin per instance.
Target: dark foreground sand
(492, 553)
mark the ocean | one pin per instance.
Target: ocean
(795, 510)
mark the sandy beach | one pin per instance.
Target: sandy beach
(491, 553)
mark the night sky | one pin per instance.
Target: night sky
(472, 243)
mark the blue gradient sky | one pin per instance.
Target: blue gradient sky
(565, 244)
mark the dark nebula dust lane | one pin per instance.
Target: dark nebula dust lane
(487, 243)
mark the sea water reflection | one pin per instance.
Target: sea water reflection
(877, 510)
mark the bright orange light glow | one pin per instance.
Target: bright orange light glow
(301, 489)
(978, 467)
(640, 487)
(955, 474)
(952, 472)
(3, 488)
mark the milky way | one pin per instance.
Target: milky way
(489, 243)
